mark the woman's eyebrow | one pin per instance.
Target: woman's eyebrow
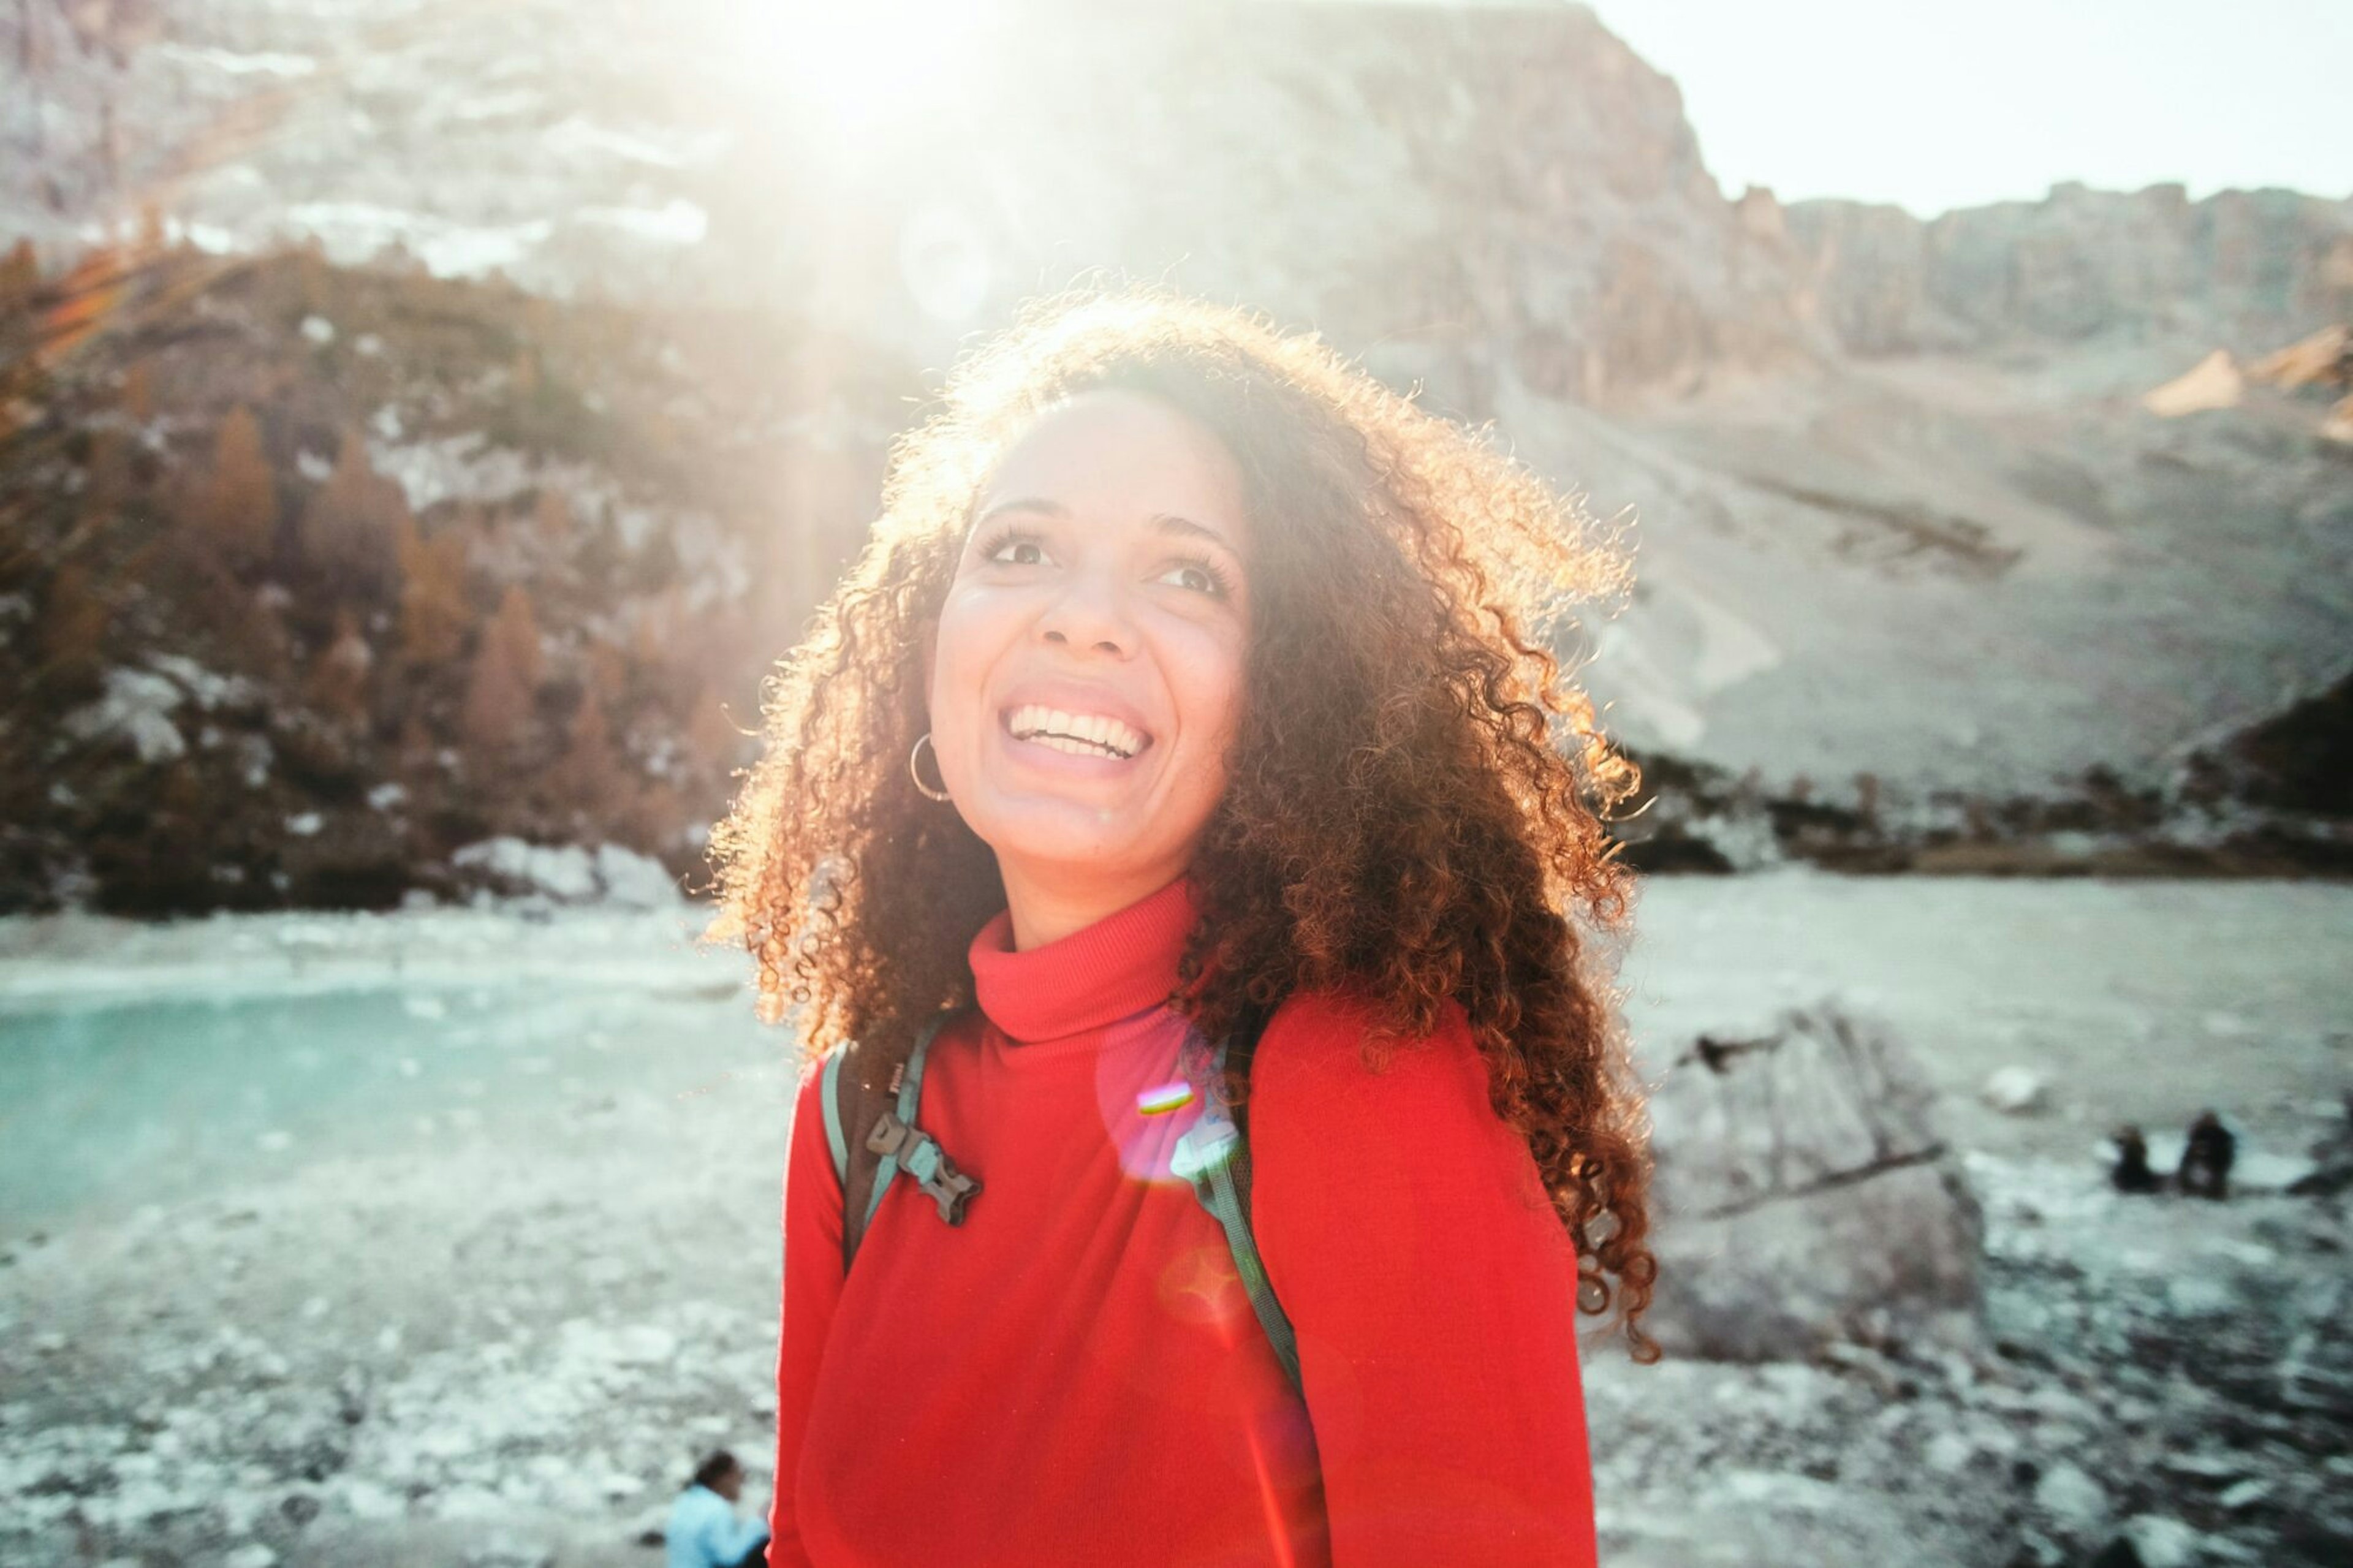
(1169, 523)
(1025, 504)
(1165, 522)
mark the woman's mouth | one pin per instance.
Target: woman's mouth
(1080, 734)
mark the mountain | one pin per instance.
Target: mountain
(1919, 565)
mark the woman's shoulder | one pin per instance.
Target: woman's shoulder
(1335, 1045)
(1410, 1132)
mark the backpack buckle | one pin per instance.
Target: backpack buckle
(1206, 1144)
(921, 1156)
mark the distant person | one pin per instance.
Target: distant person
(703, 1531)
(2131, 1173)
(2206, 1156)
(1185, 749)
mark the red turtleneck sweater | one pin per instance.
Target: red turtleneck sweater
(1075, 1375)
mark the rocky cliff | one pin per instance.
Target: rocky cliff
(2242, 267)
(1921, 567)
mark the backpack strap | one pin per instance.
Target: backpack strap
(1214, 1156)
(870, 1129)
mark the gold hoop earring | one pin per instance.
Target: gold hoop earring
(913, 772)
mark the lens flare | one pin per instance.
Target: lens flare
(1167, 1097)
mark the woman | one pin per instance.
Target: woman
(1190, 673)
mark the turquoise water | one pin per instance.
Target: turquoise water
(107, 1108)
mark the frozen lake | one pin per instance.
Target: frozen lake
(370, 1238)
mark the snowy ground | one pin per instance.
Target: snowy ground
(450, 1236)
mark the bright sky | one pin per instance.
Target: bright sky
(1960, 104)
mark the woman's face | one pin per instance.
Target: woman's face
(1087, 675)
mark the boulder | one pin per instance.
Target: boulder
(1804, 1196)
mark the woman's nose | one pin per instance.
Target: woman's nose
(1090, 613)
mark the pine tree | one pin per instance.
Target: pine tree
(713, 738)
(149, 244)
(508, 665)
(652, 625)
(107, 482)
(72, 631)
(588, 779)
(497, 698)
(338, 679)
(419, 748)
(608, 673)
(653, 818)
(20, 277)
(236, 504)
(254, 626)
(137, 392)
(20, 367)
(552, 517)
(518, 626)
(434, 610)
(350, 528)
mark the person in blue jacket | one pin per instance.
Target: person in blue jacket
(703, 1531)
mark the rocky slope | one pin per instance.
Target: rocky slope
(1920, 573)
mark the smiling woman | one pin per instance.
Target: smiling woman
(1087, 666)
(1175, 840)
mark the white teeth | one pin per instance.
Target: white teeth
(1080, 734)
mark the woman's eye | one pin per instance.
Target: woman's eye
(1019, 552)
(1191, 574)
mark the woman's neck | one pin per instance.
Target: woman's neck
(1048, 903)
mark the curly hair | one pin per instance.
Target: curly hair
(1405, 814)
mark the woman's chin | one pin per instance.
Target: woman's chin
(1046, 827)
(1027, 778)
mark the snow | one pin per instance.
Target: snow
(137, 707)
(262, 63)
(630, 878)
(354, 232)
(210, 689)
(576, 136)
(677, 222)
(464, 466)
(566, 872)
(255, 756)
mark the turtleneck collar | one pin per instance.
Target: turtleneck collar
(1123, 965)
